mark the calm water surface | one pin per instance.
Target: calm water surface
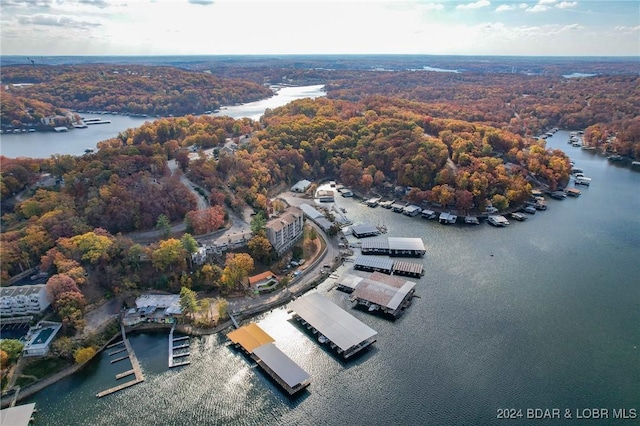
(75, 141)
(541, 314)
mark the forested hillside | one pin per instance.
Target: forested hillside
(131, 89)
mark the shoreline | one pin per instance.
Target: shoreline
(282, 297)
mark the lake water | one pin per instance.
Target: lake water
(75, 141)
(541, 314)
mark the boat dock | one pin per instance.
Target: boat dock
(172, 350)
(135, 366)
(261, 348)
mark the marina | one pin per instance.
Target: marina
(387, 294)
(394, 246)
(344, 332)
(255, 342)
(388, 266)
(135, 367)
(177, 359)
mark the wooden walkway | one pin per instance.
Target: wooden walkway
(135, 366)
(173, 355)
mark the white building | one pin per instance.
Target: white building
(23, 300)
(40, 337)
(285, 230)
(301, 186)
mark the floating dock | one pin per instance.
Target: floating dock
(384, 293)
(388, 266)
(394, 246)
(135, 367)
(338, 328)
(172, 350)
(260, 347)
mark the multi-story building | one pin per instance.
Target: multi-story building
(284, 230)
(23, 300)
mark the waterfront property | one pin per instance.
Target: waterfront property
(394, 246)
(338, 328)
(265, 281)
(284, 231)
(39, 338)
(260, 347)
(364, 230)
(23, 300)
(179, 358)
(390, 295)
(158, 308)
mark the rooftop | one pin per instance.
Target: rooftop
(250, 337)
(336, 324)
(384, 290)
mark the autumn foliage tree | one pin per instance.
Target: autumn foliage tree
(205, 221)
(237, 269)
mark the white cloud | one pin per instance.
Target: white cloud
(432, 6)
(538, 8)
(505, 7)
(201, 2)
(523, 5)
(475, 5)
(43, 19)
(624, 29)
(546, 1)
(566, 4)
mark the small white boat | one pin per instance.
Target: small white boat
(322, 338)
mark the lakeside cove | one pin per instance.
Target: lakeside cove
(444, 282)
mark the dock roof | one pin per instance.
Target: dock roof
(17, 416)
(384, 290)
(404, 243)
(250, 337)
(283, 366)
(336, 324)
(373, 262)
(364, 229)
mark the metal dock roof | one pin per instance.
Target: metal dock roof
(411, 268)
(376, 244)
(404, 243)
(373, 262)
(250, 337)
(384, 290)
(364, 230)
(336, 324)
(283, 366)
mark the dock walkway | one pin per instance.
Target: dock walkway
(135, 367)
(173, 355)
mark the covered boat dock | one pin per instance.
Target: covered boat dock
(259, 345)
(387, 266)
(394, 246)
(364, 230)
(390, 295)
(373, 263)
(341, 330)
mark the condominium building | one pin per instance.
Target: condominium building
(23, 300)
(286, 229)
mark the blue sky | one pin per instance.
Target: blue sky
(171, 27)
